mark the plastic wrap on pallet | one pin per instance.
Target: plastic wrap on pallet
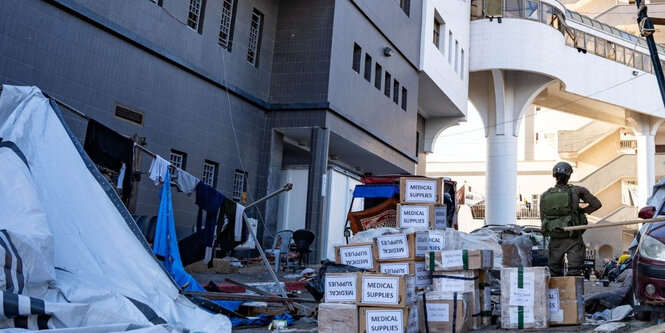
(368, 236)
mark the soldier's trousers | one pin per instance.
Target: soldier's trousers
(576, 251)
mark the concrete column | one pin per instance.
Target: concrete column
(317, 180)
(501, 179)
(530, 134)
(646, 165)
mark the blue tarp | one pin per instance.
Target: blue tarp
(375, 191)
(165, 245)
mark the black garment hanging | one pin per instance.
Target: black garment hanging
(208, 199)
(226, 228)
(109, 149)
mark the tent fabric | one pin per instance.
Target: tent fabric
(375, 191)
(81, 252)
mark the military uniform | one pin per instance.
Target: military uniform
(571, 242)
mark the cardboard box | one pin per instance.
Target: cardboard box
(336, 317)
(423, 276)
(566, 300)
(420, 190)
(362, 255)
(524, 297)
(415, 217)
(455, 260)
(395, 247)
(467, 281)
(383, 290)
(341, 288)
(398, 268)
(432, 240)
(440, 217)
(444, 312)
(383, 320)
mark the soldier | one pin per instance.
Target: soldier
(559, 208)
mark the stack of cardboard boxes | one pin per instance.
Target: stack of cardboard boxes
(464, 273)
(524, 297)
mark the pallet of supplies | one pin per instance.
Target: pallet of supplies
(387, 320)
(361, 255)
(384, 290)
(416, 216)
(420, 190)
(341, 288)
(566, 300)
(444, 312)
(337, 317)
(395, 247)
(524, 297)
(462, 282)
(455, 260)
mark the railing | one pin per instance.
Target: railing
(628, 144)
(524, 212)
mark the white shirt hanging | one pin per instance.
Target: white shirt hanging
(158, 169)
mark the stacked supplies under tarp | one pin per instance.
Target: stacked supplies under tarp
(78, 257)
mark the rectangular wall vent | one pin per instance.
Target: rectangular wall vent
(129, 115)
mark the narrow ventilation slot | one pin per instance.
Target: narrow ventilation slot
(129, 115)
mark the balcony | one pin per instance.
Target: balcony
(524, 212)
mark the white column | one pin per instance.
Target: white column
(501, 179)
(646, 164)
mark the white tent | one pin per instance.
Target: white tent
(72, 255)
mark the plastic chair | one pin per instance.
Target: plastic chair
(303, 239)
(284, 238)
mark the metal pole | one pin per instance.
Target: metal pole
(286, 188)
(646, 27)
(613, 224)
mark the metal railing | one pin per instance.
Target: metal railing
(524, 212)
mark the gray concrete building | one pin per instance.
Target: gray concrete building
(236, 91)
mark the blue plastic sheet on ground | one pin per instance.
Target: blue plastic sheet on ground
(165, 246)
(262, 320)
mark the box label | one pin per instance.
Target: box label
(392, 246)
(400, 268)
(435, 242)
(422, 243)
(451, 285)
(380, 290)
(522, 296)
(438, 312)
(487, 259)
(513, 313)
(420, 191)
(414, 217)
(423, 276)
(341, 288)
(440, 217)
(412, 324)
(411, 296)
(452, 259)
(384, 321)
(358, 256)
(553, 300)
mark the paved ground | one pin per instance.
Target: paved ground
(258, 273)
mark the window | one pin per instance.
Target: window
(255, 30)
(579, 38)
(610, 51)
(227, 23)
(386, 85)
(239, 185)
(378, 73)
(646, 62)
(368, 67)
(357, 52)
(210, 173)
(569, 39)
(620, 54)
(547, 14)
(437, 32)
(590, 42)
(556, 20)
(178, 159)
(513, 9)
(638, 61)
(396, 92)
(629, 57)
(195, 17)
(461, 72)
(531, 10)
(600, 47)
(450, 47)
(404, 101)
(406, 6)
(456, 54)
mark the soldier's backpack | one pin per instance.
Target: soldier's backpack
(558, 211)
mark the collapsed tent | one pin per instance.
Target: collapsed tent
(73, 256)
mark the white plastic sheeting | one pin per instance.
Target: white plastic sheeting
(76, 259)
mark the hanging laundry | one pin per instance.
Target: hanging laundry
(209, 200)
(110, 149)
(237, 233)
(185, 182)
(226, 227)
(121, 176)
(158, 169)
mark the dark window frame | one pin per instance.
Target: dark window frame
(357, 56)
(368, 68)
(259, 34)
(229, 39)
